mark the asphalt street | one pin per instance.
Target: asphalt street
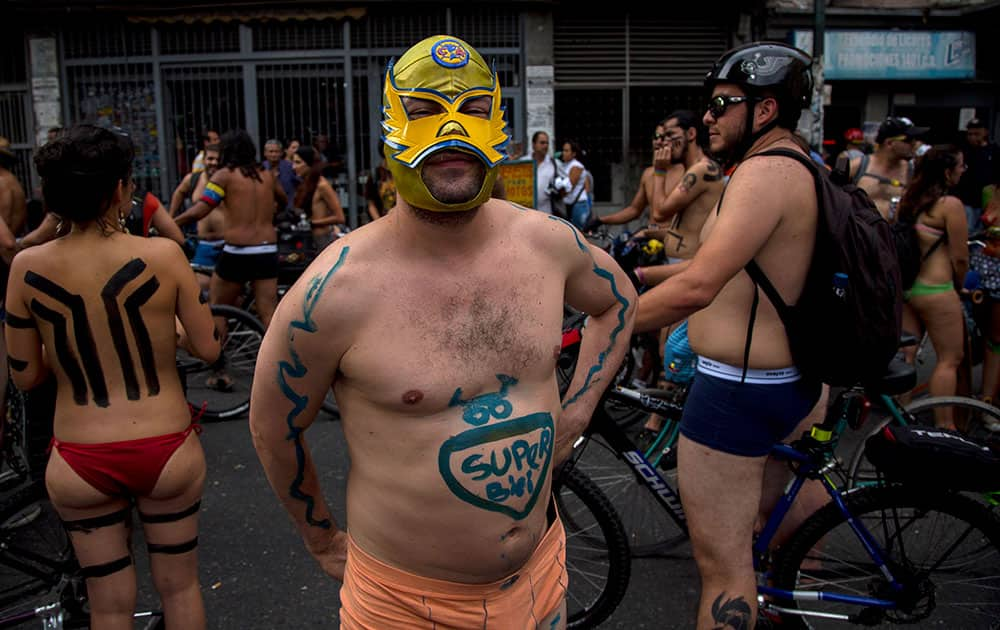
(256, 574)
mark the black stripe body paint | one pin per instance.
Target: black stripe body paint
(142, 341)
(109, 295)
(81, 332)
(17, 364)
(63, 352)
(19, 322)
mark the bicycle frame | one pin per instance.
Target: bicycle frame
(808, 468)
(644, 471)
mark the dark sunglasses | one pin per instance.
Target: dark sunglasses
(717, 105)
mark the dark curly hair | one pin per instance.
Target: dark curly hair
(930, 181)
(239, 152)
(81, 169)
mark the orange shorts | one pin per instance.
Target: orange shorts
(376, 596)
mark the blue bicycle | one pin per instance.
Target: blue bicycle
(886, 553)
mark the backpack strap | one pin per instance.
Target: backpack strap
(862, 169)
(757, 274)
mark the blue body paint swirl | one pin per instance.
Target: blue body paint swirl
(295, 369)
(607, 275)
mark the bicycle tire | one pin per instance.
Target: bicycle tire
(597, 555)
(242, 343)
(860, 472)
(911, 526)
(29, 523)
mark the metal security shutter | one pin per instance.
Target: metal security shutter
(635, 49)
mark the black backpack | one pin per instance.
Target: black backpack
(845, 328)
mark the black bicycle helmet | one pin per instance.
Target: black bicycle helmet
(779, 69)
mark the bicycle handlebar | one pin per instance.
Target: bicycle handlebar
(647, 402)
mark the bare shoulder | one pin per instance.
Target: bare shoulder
(545, 235)
(765, 183)
(951, 205)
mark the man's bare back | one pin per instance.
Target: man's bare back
(250, 206)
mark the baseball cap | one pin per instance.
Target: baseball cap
(975, 123)
(896, 126)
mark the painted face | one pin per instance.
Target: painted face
(211, 162)
(726, 127)
(441, 97)
(659, 138)
(272, 153)
(299, 166)
(677, 138)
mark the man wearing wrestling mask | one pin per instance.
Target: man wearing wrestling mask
(438, 327)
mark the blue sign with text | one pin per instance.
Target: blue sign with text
(895, 54)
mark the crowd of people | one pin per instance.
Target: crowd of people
(437, 326)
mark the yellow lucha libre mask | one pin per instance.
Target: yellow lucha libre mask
(449, 72)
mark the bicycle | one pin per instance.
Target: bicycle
(881, 582)
(244, 334)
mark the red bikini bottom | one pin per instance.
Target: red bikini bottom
(131, 467)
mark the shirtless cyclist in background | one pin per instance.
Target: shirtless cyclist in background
(211, 227)
(250, 252)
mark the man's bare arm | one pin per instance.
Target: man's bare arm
(632, 211)
(177, 198)
(693, 183)
(213, 195)
(297, 363)
(751, 211)
(597, 286)
(47, 230)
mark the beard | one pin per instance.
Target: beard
(445, 219)
(452, 189)
(678, 152)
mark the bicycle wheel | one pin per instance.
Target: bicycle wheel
(973, 414)
(37, 565)
(649, 528)
(597, 554)
(239, 356)
(943, 547)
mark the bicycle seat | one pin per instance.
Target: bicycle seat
(900, 377)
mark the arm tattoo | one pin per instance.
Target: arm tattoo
(623, 308)
(712, 172)
(690, 179)
(296, 369)
(733, 613)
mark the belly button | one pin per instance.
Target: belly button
(413, 396)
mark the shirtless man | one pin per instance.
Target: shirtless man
(687, 206)
(250, 252)
(886, 172)
(211, 227)
(13, 214)
(670, 174)
(768, 214)
(438, 327)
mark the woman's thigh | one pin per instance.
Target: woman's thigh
(945, 323)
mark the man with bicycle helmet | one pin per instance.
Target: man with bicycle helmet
(747, 393)
(438, 327)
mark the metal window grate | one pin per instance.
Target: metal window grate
(107, 40)
(14, 123)
(295, 35)
(635, 49)
(196, 99)
(13, 59)
(302, 101)
(396, 27)
(120, 95)
(185, 39)
(488, 26)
